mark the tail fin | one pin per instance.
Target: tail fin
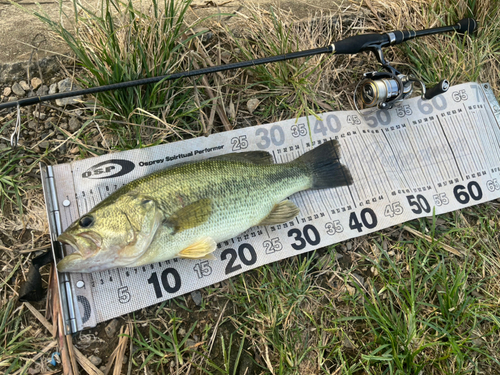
(323, 163)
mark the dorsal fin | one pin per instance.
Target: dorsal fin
(255, 157)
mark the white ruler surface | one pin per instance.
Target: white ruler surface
(422, 156)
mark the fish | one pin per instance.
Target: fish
(185, 210)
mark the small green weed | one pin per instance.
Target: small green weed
(11, 177)
(164, 345)
(423, 318)
(447, 55)
(15, 342)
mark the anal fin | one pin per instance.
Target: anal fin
(201, 249)
(281, 213)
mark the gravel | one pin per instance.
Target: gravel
(74, 124)
(36, 83)
(18, 89)
(53, 89)
(39, 121)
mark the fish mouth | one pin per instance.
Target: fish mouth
(70, 263)
(85, 257)
(69, 240)
(85, 243)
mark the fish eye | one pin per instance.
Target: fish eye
(86, 221)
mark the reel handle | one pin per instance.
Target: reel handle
(440, 88)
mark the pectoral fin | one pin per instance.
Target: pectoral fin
(281, 212)
(190, 216)
(202, 249)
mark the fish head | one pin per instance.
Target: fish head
(113, 234)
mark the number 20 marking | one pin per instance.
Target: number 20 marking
(247, 260)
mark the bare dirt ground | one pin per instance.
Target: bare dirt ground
(22, 33)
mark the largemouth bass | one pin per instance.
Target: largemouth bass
(185, 210)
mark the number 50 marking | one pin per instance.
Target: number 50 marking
(419, 203)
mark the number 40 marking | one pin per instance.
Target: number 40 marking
(368, 219)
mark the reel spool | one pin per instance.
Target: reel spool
(381, 89)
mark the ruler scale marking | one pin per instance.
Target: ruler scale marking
(446, 155)
(468, 162)
(488, 136)
(397, 166)
(418, 170)
(427, 166)
(424, 155)
(471, 141)
(388, 156)
(451, 148)
(431, 137)
(357, 171)
(402, 146)
(375, 161)
(440, 167)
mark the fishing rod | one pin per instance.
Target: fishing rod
(382, 89)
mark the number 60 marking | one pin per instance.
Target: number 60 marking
(473, 191)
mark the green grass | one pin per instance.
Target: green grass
(418, 311)
(15, 343)
(424, 317)
(164, 344)
(452, 56)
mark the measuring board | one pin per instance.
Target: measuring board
(408, 162)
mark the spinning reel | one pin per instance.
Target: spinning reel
(385, 89)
